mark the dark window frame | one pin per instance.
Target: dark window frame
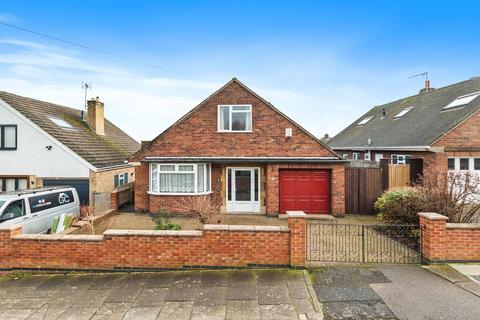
(2, 136)
(449, 161)
(468, 164)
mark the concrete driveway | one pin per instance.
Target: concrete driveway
(391, 292)
(240, 294)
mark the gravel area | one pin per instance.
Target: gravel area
(141, 221)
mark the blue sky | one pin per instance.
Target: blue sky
(324, 63)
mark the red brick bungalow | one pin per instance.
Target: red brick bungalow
(237, 147)
(440, 126)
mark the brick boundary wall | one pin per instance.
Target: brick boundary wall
(217, 246)
(448, 242)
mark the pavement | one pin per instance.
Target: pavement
(465, 276)
(391, 292)
(195, 295)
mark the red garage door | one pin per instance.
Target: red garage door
(305, 190)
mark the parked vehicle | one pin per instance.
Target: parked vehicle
(35, 209)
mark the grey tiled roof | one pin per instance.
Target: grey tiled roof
(422, 126)
(101, 151)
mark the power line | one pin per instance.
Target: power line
(75, 44)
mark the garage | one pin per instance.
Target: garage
(305, 190)
(80, 184)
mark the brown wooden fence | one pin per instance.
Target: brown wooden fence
(362, 188)
(398, 175)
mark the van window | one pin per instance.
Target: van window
(16, 207)
(51, 200)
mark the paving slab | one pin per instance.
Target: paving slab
(75, 313)
(471, 287)
(125, 293)
(93, 298)
(278, 312)
(54, 283)
(332, 294)
(214, 278)
(187, 279)
(176, 310)
(243, 310)
(29, 303)
(447, 272)
(271, 277)
(114, 308)
(273, 295)
(182, 293)
(22, 314)
(150, 297)
(105, 281)
(142, 313)
(298, 290)
(208, 313)
(244, 291)
(211, 296)
(28, 281)
(159, 280)
(240, 277)
(49, 311)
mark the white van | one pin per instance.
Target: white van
(35, 209)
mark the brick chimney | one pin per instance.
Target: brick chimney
(96, 117)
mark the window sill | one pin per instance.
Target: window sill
(178, 193)
(219, 131)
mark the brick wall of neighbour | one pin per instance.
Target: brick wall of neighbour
(463, 136)
(449, 242)
(337, 185)
(215, 246)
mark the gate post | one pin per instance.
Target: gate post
(298, 234)
(433, 236)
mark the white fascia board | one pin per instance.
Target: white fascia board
(48, 136)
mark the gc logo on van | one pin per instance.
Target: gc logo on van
(63, 198)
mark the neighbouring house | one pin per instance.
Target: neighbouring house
(43, 144)
(440, 126)
(239, 149)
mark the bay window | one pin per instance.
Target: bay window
(180, 178)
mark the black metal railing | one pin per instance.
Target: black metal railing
(363, 243)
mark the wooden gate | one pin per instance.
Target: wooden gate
(362, 188)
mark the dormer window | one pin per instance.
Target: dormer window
(235, 118)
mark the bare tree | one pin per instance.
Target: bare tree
(457, 196)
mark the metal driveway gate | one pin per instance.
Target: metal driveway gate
(362, 243)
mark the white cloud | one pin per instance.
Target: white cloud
(144, 105)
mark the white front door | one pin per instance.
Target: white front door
(243, 188)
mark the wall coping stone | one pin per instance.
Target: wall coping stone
(154, 233)
(296, 214)
(462, 225)
(11, 228)
(226, 227)
(59, 237)
(432, 216)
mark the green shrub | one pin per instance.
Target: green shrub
(398, 206)
(163, 223)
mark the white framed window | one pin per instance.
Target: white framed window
(356, 156)
(120, 179)
(464, 164)
(180, 179)
(400, 159)
(345, 156)
(235, 118)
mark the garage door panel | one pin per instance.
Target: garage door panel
(305, 190)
